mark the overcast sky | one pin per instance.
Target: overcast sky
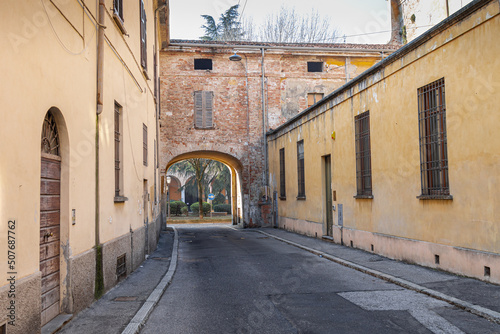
(352, 17)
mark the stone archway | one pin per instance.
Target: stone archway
(234, 166)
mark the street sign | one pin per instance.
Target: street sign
(211, 197)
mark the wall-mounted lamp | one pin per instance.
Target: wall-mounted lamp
(235, 57)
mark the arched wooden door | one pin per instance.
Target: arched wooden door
(50, 190)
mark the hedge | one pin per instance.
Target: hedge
(176, 207)
(195, 208)
(223, 208)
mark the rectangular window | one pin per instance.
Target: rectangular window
(144, 144)
(312, 98)
(118, 150)
(203, 109)
(300, 171)
(144, 53)
(363, 156)
(314, 66)
(433, 141)
(282, 174)
(203, 64)
(118, 8)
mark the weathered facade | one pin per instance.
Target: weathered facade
(268, 85)
(78, 170)
(404, 160)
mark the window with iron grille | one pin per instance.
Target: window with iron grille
(300, 171)
(203, 109)
(118, 8)
(312, 98)
(314, 66)
(144, 53)
(282, 174)
(363, 156)
(144, 144)
(121, 266)
(118, 150)
(433, 141)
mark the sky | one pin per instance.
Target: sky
(351, 17)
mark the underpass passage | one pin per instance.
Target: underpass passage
(240, 281)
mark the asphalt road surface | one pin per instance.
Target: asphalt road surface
(240, 281)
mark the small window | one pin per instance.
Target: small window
(118, 8)
(282, 174)
(312, 98)
(300, 171)
(203, 64)
(144, 53)
(203, 109)
(433, 141)
(118, 15)
(363, 156)
(144, 144)
(118, 151)
(314, 66)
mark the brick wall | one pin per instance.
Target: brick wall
(237, 104)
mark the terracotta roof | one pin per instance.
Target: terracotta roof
(294, 45)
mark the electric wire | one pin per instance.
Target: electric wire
(59, 39)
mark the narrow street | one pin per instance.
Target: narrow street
(243, 281)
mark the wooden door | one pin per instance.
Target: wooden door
(50, 192)
(50, 186)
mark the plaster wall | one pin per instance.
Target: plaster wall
(470, 221)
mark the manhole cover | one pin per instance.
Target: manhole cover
(125, 299)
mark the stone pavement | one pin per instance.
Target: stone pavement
(470, 294)
(116, 309)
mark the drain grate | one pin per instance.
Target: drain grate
(160, 258)
(126, 299)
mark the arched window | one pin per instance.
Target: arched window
(50, 137)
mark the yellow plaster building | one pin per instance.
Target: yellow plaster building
(404, 160)
(79, 200)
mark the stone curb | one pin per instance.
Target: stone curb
(142, 315)
(469, 307)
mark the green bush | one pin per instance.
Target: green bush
(223, 208)
(195, 208)
(176, 207)
(184, 210)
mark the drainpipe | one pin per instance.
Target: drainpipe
(264, 122)
(99, 278)
(158, 106)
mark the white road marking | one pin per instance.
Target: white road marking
(418, 305)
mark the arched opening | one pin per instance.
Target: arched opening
(235, 191)
(54, 205)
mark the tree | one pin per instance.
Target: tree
(196, 167)
(228, 28)
(205, 172)
(287, 26)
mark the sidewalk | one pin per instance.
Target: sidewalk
(475, 296)
(115, 310)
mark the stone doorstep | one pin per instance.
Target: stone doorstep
(56, 324)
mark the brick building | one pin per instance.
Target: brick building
(220, 109)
